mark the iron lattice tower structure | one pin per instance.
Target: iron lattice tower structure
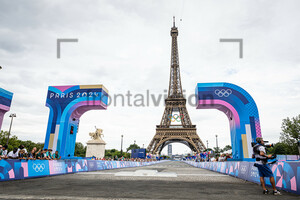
(185, 132)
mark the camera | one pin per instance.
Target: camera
(265, 144)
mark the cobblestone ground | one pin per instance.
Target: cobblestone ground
(190, 183)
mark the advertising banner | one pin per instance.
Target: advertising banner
(244, 170)
(57, 167)
(38, 168)
(286, 174)
(21, 169)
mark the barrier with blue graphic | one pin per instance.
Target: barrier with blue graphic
(138, 153)
(5, 103)
(241, 110)
(286, 174)
(21, 169)
(67, 104)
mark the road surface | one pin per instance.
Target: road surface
(166, 180)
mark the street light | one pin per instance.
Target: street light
(299, 146)
(217, 143)
(121, 145)
(12, 117)
(207, 149)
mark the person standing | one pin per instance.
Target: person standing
(32, 154)
(22, 147)
(13, 154)
(4, 151)
(40, 155)
(56, 156)
(49, 154)
(22, 155)
(263, 168)
(1, 152)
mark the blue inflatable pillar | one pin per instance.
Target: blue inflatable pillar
(67, 104)
(5, 102)
(241, 110)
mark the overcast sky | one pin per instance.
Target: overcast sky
(126, 46)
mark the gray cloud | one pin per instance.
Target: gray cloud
(125, 45)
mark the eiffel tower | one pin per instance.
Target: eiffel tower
(184, 132)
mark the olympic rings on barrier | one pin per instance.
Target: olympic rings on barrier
(223, 92)
(175, 117)
(38, 167)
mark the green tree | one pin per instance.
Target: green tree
(217, 150)
(29, 145)
(114, 152)
(80, 150)
(133, 146)
(40, 145)
(108, 153)
(226, 148)
(208, 149)
(15, 142)
(290, 134)
(280, 148)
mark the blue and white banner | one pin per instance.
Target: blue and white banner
(286, 174)
(21, 169)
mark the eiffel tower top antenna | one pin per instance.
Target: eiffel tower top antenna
(173, 21)
(175, 88)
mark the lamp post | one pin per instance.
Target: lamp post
(206, 144)
(11, 121)
(217, 144)
(121, 145)
(299, 146)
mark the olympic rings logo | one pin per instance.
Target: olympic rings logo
(175, 117)
(38, 167)
(223, 92)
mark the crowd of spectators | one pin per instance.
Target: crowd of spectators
(208, 157)
(22, 153)
(221, 158)
(116, 158)
(46, 154)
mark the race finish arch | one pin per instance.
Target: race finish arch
(67, 104)
(5, 102)
(240, 109)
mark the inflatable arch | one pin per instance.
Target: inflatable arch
(240, 109)
(5, 102)
(67, 104)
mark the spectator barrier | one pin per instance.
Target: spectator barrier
(22, 169)
(288, 157)
(286, 174)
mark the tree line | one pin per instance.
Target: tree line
(287, 145)
(289, 137)
(80, 149)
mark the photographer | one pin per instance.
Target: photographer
(263, 168)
